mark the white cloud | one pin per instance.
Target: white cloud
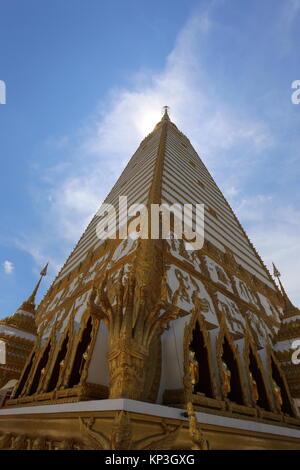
(8, 267)
(231, 143)
(274, 229)
(231, 191)
(128, 115)
(42, 252)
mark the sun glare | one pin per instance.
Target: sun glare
(147, 120)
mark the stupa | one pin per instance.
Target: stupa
(144, 343)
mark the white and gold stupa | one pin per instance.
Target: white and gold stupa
(143, 344)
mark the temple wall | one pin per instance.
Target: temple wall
(98, 368)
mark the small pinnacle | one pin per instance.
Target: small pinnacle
(166, 113)
(276, 273)
(289, 307)
(31, 299)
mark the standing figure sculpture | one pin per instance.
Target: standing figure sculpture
(226, 377)
(278, 396)
(254, 388)
(198, 442)
(193, 368)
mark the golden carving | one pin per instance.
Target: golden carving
(39, 444)
(133, 323)
(5, 441)
(38, 355)
(87, 391)
(221, 275)
(197, 437)
(226, 377)
(254, 388)
(278, 396)
(193, 368)
(271, 356)
(197, 317)
(19, 443)
(211, 285)
(250, 346)
(67, 444)
(9, 441)
(181, 291)
(121, 437)
(224, 333)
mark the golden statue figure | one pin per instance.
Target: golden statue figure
(254, 388)
(193, 368)
(226, 376)
(19, 443)
(83, 361)
(39, 444)
(278, 396)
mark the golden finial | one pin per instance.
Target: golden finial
(276, 273)
(166, 113)
(44, 270)
(43, 273)
(289, 307)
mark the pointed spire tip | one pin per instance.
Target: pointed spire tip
(276, 273)
(166, 113)
(31, 299)
(44, 270)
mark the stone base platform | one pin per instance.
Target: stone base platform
(134, 425)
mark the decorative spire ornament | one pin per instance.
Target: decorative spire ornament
(166, 113)
(276, 273)
(31, 299)
(289, 307)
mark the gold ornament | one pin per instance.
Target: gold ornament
(226, 376)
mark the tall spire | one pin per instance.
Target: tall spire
(30, 302)
(289, 307)
(20, 319)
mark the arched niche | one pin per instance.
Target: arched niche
(204, 384)
(277, 376)
(233, 388)
(24, 376)
(55, 372)
(255, 367)
(197, 339)
(41, 364)
(81, 354)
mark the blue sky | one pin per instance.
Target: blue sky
(86, 81)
